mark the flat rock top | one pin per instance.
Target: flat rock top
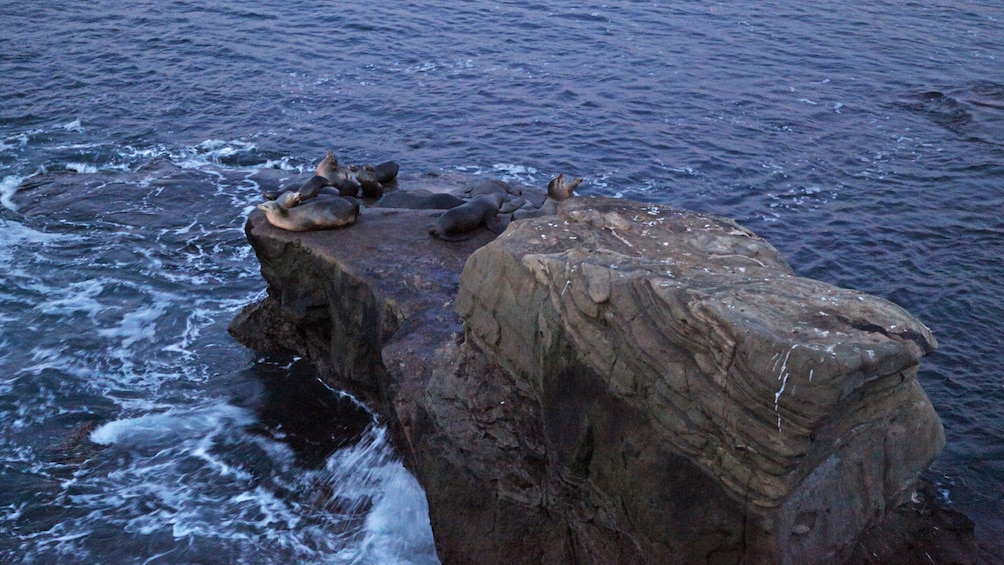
(737, 276)
(391, 251)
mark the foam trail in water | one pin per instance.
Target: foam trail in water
(154, 428)
(75, 125)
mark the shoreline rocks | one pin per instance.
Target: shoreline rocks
(621, 382)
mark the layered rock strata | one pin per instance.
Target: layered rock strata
(621, 382)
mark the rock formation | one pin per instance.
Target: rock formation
(619, 383)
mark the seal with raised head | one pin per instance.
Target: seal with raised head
(337, 176)
(456, 223)
(557, 190)
(326, 169)
(323, 213)
(328, 165)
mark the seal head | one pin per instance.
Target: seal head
(557, 190)
(327, 166)
(560, 190)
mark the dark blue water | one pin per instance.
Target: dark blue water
(864, 140)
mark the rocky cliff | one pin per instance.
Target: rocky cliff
(621, 382)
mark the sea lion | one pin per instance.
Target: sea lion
(557, 190)
(312, 187)
(307, 190)
(345, 182)
(492, 186)
(367, 179)
(456, 223)
(290, 199)
(328, 165)
(419, 200)
(327, 212)
(372, 179)
(287, 198)
(337, 176)
(386, 172)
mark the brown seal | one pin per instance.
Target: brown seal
(328, 166)
(323, 213)
(337, 176)
(367, 179)
(557, 190)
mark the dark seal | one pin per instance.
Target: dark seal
(456, 223)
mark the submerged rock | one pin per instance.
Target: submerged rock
(621, 382)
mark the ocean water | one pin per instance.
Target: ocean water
(864, 140)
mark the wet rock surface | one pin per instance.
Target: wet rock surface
(621, 382)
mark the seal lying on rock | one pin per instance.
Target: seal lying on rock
(305, 191)
(419, 200)
(557, 190)
(339, 177)
(456, 223)
(349, 180)
(346, 181)
(312, 187)
(323, 173)
(386, 172)
(367, 179)
(372, 179)
(324, 213)
(492, 186)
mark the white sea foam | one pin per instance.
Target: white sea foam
(209, 152)
(17, 141)
(174, 424)
(73, 298)
(515, 173)
(282, 164)
(136, 325)
(180, 476)
(83, 168)
(397, 528)
(205, 155)
(17, 234)
(74, 125)
(8, 188)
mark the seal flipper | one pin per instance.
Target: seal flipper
(498, 223)
(512, 204)
(434, 231)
